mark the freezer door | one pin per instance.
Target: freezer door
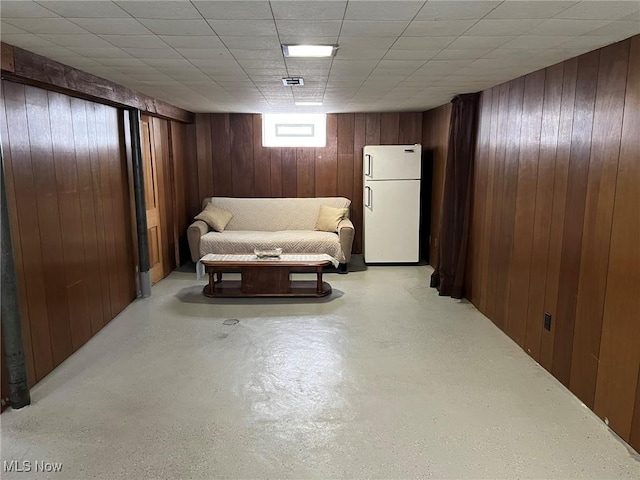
(391, 221)
(392, 162)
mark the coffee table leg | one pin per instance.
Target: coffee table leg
(319, 284)
(212, 283)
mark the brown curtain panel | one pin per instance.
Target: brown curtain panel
(448, 276)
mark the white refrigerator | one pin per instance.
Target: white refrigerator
(392, 203)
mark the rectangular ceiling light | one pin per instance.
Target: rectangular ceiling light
(308, 50)
(308, 104)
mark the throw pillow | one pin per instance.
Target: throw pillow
(216, 217)
(329, 217)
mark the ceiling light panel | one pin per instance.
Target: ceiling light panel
(308, 51)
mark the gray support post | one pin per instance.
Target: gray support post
(11, 325)
(141, 211)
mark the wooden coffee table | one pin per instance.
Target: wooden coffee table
(264, 278)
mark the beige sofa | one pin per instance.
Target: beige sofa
(265, 223)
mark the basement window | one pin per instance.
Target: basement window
(294, 130)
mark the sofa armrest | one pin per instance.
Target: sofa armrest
(196, 230)
(346, 233)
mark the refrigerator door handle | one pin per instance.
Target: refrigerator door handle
(367, 172)
(368, 201)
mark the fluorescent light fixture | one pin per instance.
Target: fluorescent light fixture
(308, 104)
(308, 50)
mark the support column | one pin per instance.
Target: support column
(141, 211)
(10, 311)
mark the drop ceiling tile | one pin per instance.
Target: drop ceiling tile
(307, 64)
(154, 77)
(479, 43)
(239, 53)
(560, 26)
(193, 41)
(218, 66)
(225, 77)
(216, 63)
(123, 62)
(43, 25)
(529, 9)
(252, 43)
(243, 28)
(177, 27)
(161, 10)
(236, 84)
(428, 43)
(618, 29)
(22, 9)
(601, 10)
(513, 53)
(116, 26)
(589, 42)
(400, 66)
(398, 54)
(452, 54)
(98, 53)
(76, 40)
(295, 10)
(429, 28)
(370, 42)
(374, 10)
(320, 28)
(226, 10)
(226, 70)
(6, 29)
(357, 28)
(260, 71)
(182, 74)
(502, 27)
(135, 41)
(168, 63)
(144, 53)
(26, 40)
(442, 66)
(456, 10)
(54, 52)
(537, 41)
(349, 53)
(353, 64)
(86, 9)
(205, 53)
(634, 17)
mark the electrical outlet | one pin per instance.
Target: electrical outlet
(547, 321)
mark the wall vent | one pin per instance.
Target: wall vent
(292, 81)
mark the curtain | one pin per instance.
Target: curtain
(449, 273)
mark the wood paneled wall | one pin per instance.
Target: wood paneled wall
(184, 171)
(68, 198)
(556, 223)
(231, 160)
(435, 144)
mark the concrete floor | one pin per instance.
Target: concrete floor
(384, 379)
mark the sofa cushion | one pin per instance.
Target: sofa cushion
(291, 241)
(216, 217)
(275, 214)
(329, 217)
